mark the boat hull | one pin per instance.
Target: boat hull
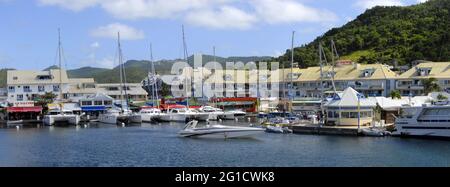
(120, 119)
(50, 120)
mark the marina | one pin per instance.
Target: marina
(104, 145)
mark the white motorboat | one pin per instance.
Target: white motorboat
(119, 117)
(233, 114)
(278, 129)
(183, 115)
(150, 114)
(214, 113)
(218, 131)
(424, 121)
(58, 117)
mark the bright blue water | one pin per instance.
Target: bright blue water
(159, 145)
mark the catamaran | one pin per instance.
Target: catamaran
(60, 116)
(120, 114)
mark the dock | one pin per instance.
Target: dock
(329, 130)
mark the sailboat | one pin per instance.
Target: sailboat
(153, 113)
(59, 116)
(185, 113)
(120, 114)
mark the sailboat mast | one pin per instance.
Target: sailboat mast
(60, 66)
(291, 95)
(333, 63)
(153, 71)
(321, 80)
(185, 54)
(120, 69)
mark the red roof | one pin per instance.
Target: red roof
(25, 109)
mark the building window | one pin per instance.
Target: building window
(41, 88)
(86, 103)
(19, 97)
(56, 88)
(11, 89)
(26, 89)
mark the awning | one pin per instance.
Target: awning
(25, 109)
(92, 108)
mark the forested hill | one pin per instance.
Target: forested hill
(387, 35)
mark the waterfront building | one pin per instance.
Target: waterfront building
(134, 91)
(3, 95)
(25, 86)
(93, 105)
(368, 79)
(351, 109)
(411, 81)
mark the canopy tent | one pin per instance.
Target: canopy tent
(24, 109)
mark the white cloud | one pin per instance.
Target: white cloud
(421, 1)
(95, 45)
(288, 11)
(74, 5)
(136, 9)
(367, 4)
(216, 14)
(225, 17)
(110, 31)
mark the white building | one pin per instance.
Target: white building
(26, 86)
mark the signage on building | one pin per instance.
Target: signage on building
(23, 103)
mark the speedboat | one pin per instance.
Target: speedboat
(119, 117)
(218, 131)
(150, 114)
(424, 121)
(60, 117)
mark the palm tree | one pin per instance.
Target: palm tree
(396, 94)
(430, 85)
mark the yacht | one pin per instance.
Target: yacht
(183, 115)
(214, 113)
(57, 117)
(150, 114)
(424, 121)
(119, 117)
(218, 131)
(233, 114)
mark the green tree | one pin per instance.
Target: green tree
(395, 94)
(441, 97)
(430, 85)
(44, 100)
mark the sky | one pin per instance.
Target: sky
(29, 28)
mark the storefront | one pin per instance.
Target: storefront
(24, 113)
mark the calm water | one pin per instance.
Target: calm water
(159, 145)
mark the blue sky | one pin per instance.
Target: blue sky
(28, 32)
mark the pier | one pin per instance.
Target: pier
(331, 130)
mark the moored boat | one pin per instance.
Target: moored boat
(218, 131)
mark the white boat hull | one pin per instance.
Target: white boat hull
(222, 132)
(149, 117)
(119, 119)
(61, 119)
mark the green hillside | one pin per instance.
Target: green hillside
(136, 70)
(387, 35)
